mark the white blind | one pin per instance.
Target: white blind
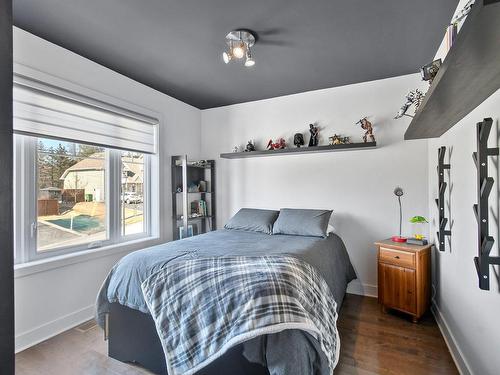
(41, 113)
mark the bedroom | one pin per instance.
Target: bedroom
(109, 110)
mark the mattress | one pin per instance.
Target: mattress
(123, 284)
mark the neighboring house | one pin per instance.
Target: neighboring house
(133, 174)
(89, 174)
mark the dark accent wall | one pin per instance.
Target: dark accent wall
(6, 222)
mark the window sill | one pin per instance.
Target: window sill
(30, 268)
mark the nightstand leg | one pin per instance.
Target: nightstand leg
(384, 309)
(414, 320)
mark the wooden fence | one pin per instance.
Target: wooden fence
(48, 207)
(73, 195)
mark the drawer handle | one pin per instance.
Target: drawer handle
(397, 257)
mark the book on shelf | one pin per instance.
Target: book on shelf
(199, 208)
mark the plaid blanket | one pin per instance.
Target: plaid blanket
(203, 307)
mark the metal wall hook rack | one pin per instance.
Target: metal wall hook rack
(484, 186)
(443, 232)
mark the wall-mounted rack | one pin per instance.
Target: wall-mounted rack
(484, 186)
(443, 232)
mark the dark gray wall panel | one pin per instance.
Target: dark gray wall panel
(175, 46)
(6, 238)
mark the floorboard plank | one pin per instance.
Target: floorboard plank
(371, 343)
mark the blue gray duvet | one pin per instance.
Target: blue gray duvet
(205, 306)
(328, 256)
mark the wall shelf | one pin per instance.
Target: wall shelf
(301, 150)
(470, 73)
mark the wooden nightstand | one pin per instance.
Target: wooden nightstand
(404, 277)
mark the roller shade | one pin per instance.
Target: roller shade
(42, 113)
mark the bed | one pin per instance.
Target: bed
(130, 327)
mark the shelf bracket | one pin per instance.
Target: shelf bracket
(484, 185)
(442, 185)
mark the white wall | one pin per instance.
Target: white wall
(357, 185)
(468, 313)
(52, 300)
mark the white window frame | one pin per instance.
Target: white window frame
(26, 195)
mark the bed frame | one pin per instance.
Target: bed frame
(132, 337)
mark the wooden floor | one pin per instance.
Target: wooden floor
(371, 343)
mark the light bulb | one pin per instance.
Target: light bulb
(239, 50)
(226, 56)
(249, 62)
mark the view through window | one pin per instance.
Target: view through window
(71, 194)
(132, 193)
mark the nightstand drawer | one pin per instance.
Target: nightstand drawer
(397, 257)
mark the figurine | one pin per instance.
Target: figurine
(367, 125)
(338, 140)
(314, 130)
(236, 149)
(413, 97)
(298, 140)
(429, 71)
(280, 144)
(250, 147)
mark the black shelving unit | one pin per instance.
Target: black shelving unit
(481, 209)
(443, 232)
(185, 172)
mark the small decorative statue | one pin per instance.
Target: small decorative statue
(236, 149)
(338, 140)
(413, 97)
(280, 144)
(367, 126)
(429, 71)
(250, 147)
(314, 130)
(298, 140)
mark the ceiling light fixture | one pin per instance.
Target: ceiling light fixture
(239, 44)
(249, 59)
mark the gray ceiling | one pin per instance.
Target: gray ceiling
(176, 46)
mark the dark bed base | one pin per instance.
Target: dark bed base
(132, 338)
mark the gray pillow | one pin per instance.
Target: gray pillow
(302, 222)
(253, 219)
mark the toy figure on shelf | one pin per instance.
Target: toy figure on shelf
(338, 140)
(367, 126)
(298, 140)
(280, 144)
(236, 149)
(250, 147)
(413, 97)
(314, 130)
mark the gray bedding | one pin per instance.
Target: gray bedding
(123, 284)
(289, 352)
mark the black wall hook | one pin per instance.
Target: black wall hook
(484, 186)
(443, 232)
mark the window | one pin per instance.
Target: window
(132, 193)
(76, 195)
(71, 194)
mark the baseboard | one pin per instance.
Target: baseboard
(45, 331)
(356, 287)
(457, 355)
